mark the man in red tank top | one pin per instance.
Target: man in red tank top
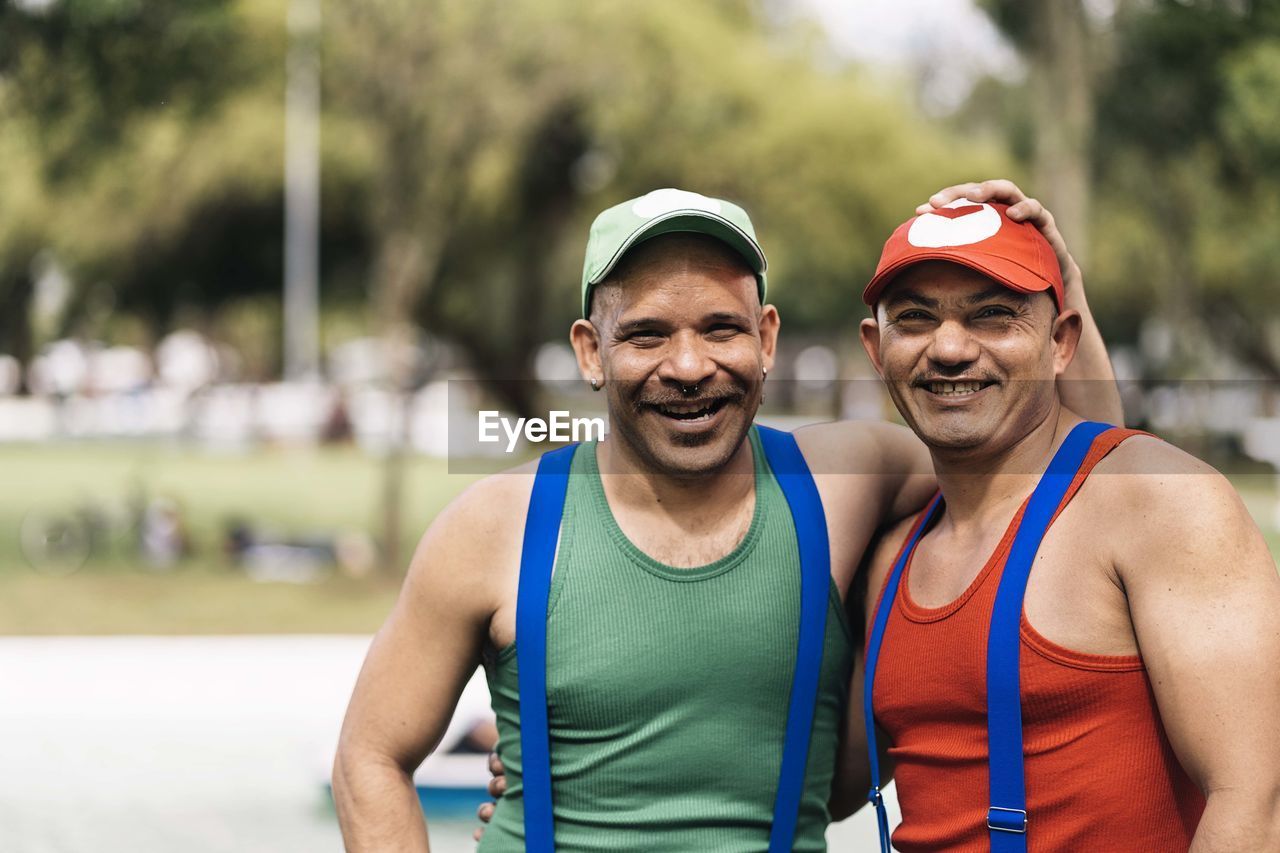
(1150, 635)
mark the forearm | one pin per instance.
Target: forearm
(377, 806)
(850, 786)
(1088, 385)
(852, 780)
(1239, 819)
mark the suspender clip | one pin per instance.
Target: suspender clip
(1007, 820)
(874, 797)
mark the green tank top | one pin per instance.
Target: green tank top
(668, 688)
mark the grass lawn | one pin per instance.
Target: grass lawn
(290, 492)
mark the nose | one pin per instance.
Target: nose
(952, 345)
(687, 362)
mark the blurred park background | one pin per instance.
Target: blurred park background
(248, 247)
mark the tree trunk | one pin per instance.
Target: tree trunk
(1061, 81)
(405, 262)
(16, 292)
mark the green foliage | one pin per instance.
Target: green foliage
(1187, 156)
(1185, 160)
(1250, 114)
(466, 146)
(85, 69)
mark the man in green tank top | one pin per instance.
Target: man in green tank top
(673, 613)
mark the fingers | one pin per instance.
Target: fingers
(999, 190)
(1021, 209)
(946, 195)
(485, 813)
(497, 786)
(1029, 208)
(495, 765)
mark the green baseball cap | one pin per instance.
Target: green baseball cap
(665, 211)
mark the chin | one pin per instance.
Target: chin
(690, 455)
(953, 433)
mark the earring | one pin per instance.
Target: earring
(595, 384)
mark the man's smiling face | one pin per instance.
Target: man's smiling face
(969, 363)
(682, 343)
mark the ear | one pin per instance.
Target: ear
(586, 347)
(1066, 337)
(869, 332)
(770, 323)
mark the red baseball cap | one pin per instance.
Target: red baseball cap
(977, 235)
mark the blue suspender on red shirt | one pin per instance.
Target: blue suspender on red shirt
(1007, 816)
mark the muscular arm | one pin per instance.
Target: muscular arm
(1088, 386)
(853, 770)
(895, 472)
(418, 665)
(1205, 601)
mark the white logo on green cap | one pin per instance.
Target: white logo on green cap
(667, 200)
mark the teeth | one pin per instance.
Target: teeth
(685, 409)
(690, 412)
(955, 388)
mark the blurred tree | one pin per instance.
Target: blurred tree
(1167, 109)
(467, 144)
(501, 128)
(1064, 59)
(1186, 155)
(134, 126)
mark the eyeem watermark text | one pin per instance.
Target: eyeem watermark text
(558, 426)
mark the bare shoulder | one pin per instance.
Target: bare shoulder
(1163, 508)
(1162, 482)
(472, 542)
(858, 447)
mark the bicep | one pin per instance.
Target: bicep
(854, 769)
(1205, 601)
(909, 479)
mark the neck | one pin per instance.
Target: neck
(631, 481)
(979, 486)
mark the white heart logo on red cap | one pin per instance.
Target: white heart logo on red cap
(667, 200)
(938, 230)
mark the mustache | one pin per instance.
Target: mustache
(723, 392)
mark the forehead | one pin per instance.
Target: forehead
(940, 279)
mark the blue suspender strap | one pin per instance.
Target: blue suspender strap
(873, 655)
(1007, 817)
(798, 487)
(537, 559)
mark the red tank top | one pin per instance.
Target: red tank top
(1100, 773)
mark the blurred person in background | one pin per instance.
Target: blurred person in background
(674, 608)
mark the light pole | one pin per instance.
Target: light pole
(302, 194)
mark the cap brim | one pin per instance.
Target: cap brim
(1012, 275)
(695, 222)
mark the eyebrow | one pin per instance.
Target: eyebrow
(997, 292)
(629, 326)
(727, 317)
(912, 298)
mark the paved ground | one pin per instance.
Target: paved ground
(193, 744)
